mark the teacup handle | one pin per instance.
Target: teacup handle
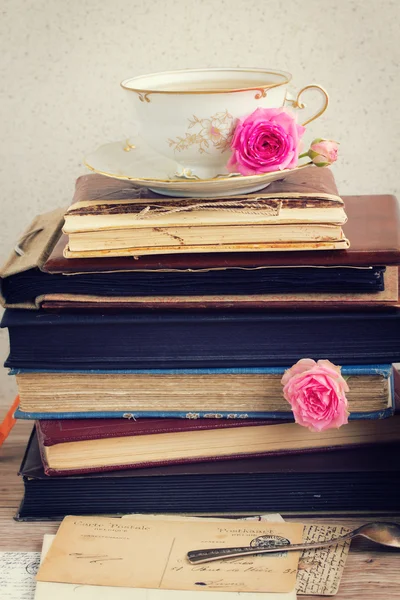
(323, 104)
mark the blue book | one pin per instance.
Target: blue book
(238, 393)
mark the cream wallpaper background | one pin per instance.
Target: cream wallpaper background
(61, 64)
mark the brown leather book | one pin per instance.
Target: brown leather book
(301, 212)
(373, 228)
(305, 183)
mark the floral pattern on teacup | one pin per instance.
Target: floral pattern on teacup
(213, 132)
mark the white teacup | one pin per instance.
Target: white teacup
(188, 116)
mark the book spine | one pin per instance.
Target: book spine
(283, 416)
(383, 370)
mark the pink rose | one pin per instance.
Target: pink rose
(267, 140)
(316, 392)
(323, 152)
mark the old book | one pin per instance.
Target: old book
(199, 339)
(290, 301)
(254, 393)
(29, 254)
(89, 445)
(373, 228)
(30, 288)
(256, 208)
(151, 240)
(309, 196)
(100, 222)
(344, 481)
(340, 243)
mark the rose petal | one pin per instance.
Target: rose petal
(302, 365)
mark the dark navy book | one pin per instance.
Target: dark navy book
(198, 339)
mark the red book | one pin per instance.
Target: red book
(71, 446)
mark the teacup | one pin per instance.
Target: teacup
(189, 116)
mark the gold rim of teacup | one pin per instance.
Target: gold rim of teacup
(221, 177)
(260, 88)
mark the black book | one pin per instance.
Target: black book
(28, 285)
(341, 481)
(199, 339)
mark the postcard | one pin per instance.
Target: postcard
(320, 570)
(70, 591)
(152, 554)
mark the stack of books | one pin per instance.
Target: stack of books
(149, 336)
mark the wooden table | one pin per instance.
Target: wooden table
(371, 573)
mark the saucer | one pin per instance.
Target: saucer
(139, 164)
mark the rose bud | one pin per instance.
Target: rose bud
(323, 152)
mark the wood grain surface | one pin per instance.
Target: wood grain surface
(371, 573)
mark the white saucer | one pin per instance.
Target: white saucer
(137, 163)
